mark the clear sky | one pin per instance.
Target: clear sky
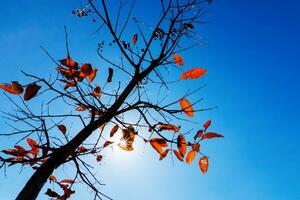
(252, 56)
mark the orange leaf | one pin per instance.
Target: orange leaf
(62, 128)
(210, 135)
(92, 75)
(107, 143)
(14, 88)
(164, 154)
(68, 62)
(168, 127)
(193, 74)
(96, 92)
(199, 134)
(85, 70)
(99, 158)
(158, 144)
(67, 181)
(114, 130)
(127, 139)
(203, 164)
(186, 106)
(191, 156)
(134, 39)
(196, 147)
(178, 155)
(207, 124)
(31, 90)
(178, 59)
(52, 178)
(181, 145)
(80, 108)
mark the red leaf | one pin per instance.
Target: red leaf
(196, 147)
(14, 88)
(96, 92)
(164, 154)
(99, 158)
(114, 130)
(34, 146)
(31, 90)
(85, 70)
(158, 144)
(52, 178)
(68, 62)
(203, 164)
(178, 155)
(191, 156)
(62, 128)
(186, 106)
(82, 149)
(181, 145)
(13, 152)
(193, 74)
(210, 135)
(93, 75)
(67, 181)
(199, 134)
(21, 149)
(107, 143)
(178, 59)
(168, 127)
(134, 39)
(206, 124)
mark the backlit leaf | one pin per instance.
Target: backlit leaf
(186, 106)
(134, 39)
(85, 70)
(199, 134)
(211, 135)
(203, 164)
(31, 90)
(178, 155)
(158, 144)
(69, 62)
(114, 130)
(196, 147)
(62, 128)
(67, 181)
(92, 75)
(168, 127)
(34, 146)
(127, 139)
(14, 88)
(96, 92)
(191, 156)
(181, 144)
(164, 154)
(193, 74)
(207, 124)
(178, 59)
(106, 143)
(99, 158)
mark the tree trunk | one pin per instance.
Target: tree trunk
(39, 178)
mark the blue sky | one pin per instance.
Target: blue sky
(253, 63)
